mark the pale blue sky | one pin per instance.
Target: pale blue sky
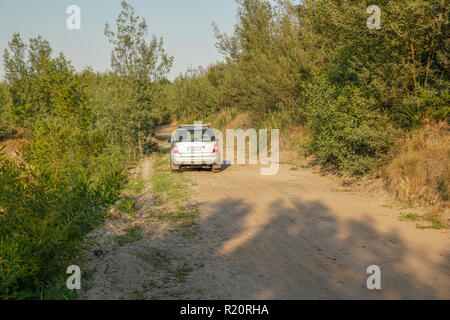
(185, 26)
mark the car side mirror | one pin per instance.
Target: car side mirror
(213, 138)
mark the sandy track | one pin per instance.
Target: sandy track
(290, 236)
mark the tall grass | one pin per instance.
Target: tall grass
(420, 173)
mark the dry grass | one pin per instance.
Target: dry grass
(291, 149)
(241, 121)
(13, 146)
(420, 173)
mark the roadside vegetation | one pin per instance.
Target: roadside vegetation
(419, 174)
(172, 193)
(78, 131)
(146, 236)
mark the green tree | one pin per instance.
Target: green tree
(41, 86)
(66, 175)
(6, 120)
(396, 64)
(265, 62)
(140, 63)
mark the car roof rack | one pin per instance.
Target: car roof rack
(206, 125)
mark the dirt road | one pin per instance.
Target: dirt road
(293, 236)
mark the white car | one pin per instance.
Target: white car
(194, 146)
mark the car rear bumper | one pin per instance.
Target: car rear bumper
(190, 160)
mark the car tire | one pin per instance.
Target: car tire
(216, 169)
(174, 168)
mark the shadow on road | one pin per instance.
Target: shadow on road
(306, 253)
(303, 250)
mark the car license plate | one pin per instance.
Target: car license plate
(196, 150)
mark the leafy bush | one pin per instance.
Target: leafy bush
(429, 105)
(65, 178)
(345, 129)
(6, 124)
(47, 205)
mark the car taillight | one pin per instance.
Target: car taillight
(215, 148)
(175, 149)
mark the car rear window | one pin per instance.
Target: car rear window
(190, 135)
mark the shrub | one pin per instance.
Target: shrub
(48, 204)
(346, 131)
(414, 110)
(6, 123)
